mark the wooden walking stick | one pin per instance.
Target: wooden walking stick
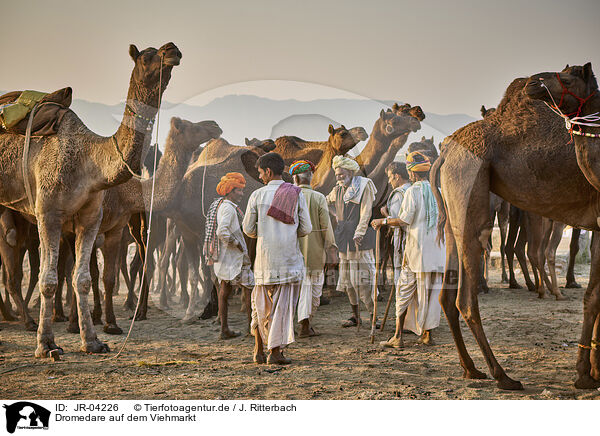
(374, 321)
(387, 308)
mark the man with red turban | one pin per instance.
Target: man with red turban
(230, 254)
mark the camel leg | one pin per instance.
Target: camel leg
(33, 252)
(164, 261)
(538, 232)
(573, 250)
(123, 265)
(59, 314)
(595, 353)
(110, 248)
(591, 309)
(503, 226)
(448, 296)
(466, 181)
(49, 229)
(550, 254)
(511, 239)
(183, 272)
(4, 309)
(131, 301)
(520, 252)
(191, 257)
(139, 236)
(12, 257)
(95, 274)
(87, 223)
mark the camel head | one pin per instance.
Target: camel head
(147, 71)
(340, 139)
(390, 125)
(426, 146)
(190, 135)
(569, 88)
(407, 109)
(359, 134)
(487, 112)
(263, 146)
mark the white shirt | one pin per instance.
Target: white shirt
(278, 256)
(394, 211)
(421, 251)
(229, 233)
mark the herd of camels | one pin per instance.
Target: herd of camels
(86, 193)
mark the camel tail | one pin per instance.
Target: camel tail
(434, 180)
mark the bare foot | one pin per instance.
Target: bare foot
(228, 334)
(278, 359)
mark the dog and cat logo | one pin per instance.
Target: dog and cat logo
(26, 415)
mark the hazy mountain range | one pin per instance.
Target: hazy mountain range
(250, 116)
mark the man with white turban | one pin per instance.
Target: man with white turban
(352, 199)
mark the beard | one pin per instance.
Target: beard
(345, 181)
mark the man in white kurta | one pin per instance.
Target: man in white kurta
(279, 265)
(399, 181)
(417, 292)
(232, 267)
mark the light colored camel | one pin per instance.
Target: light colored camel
(68, 173)
(522, 153)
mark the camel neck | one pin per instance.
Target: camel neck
(587, 148)
(371, 154)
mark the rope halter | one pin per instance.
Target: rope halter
(586, 120)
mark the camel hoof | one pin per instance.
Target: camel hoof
(573, 285)
(95, 347)
(112, 329)
(474, 374)
(31, 326)
(73, 328)
(508, 384)
(188, 320)
(587, 382)
(59, 318)
(140, 317)
(130, 305)
(514, 285)
(43, 350)
(561, 298)
(97, 319)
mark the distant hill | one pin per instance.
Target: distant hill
(250, 116)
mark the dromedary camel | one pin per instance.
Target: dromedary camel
(511, 153)
(68, 173)
(122, 201)
(574, 93)
(292, 148)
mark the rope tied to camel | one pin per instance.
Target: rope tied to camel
(586, 120)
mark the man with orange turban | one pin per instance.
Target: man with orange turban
(229, 252)
(418, 290)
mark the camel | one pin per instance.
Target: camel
(218, 150)
(68, 173)
(292, 148)
(510, 153)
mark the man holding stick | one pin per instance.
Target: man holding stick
(417, 292)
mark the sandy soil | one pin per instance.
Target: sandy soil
(535, 340)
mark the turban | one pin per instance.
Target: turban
(345, 163)
(230, 181)
(414, 166)
(301, 166)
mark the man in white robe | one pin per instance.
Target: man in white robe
(417, 292)
(352, 199)
(232, 267)
(399, 181)
(277, 216)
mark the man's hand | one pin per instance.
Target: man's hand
(377, 223)
(358, 241)
(384, 211)
(239, 246)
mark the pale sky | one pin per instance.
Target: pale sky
(447, 56)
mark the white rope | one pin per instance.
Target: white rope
(586, 120)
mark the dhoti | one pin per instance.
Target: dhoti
(310, 294)
(273, 309)
(418, 294)
(357, 275)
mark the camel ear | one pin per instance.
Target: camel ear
(176, 122)
(567, 66)
(331, 129)
(423, 138)
(431, 138)
(587, 72)
(343, 127)
(133, 52)
(247, 141)
(395, 107)
(382, 113)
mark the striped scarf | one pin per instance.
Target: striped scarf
(210, 249)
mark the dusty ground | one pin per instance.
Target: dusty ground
(535, 340)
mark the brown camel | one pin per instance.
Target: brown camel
(68, 173)
(292, 148)
(219, 150)
(510, 153)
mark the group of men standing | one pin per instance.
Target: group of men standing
(292, 224)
